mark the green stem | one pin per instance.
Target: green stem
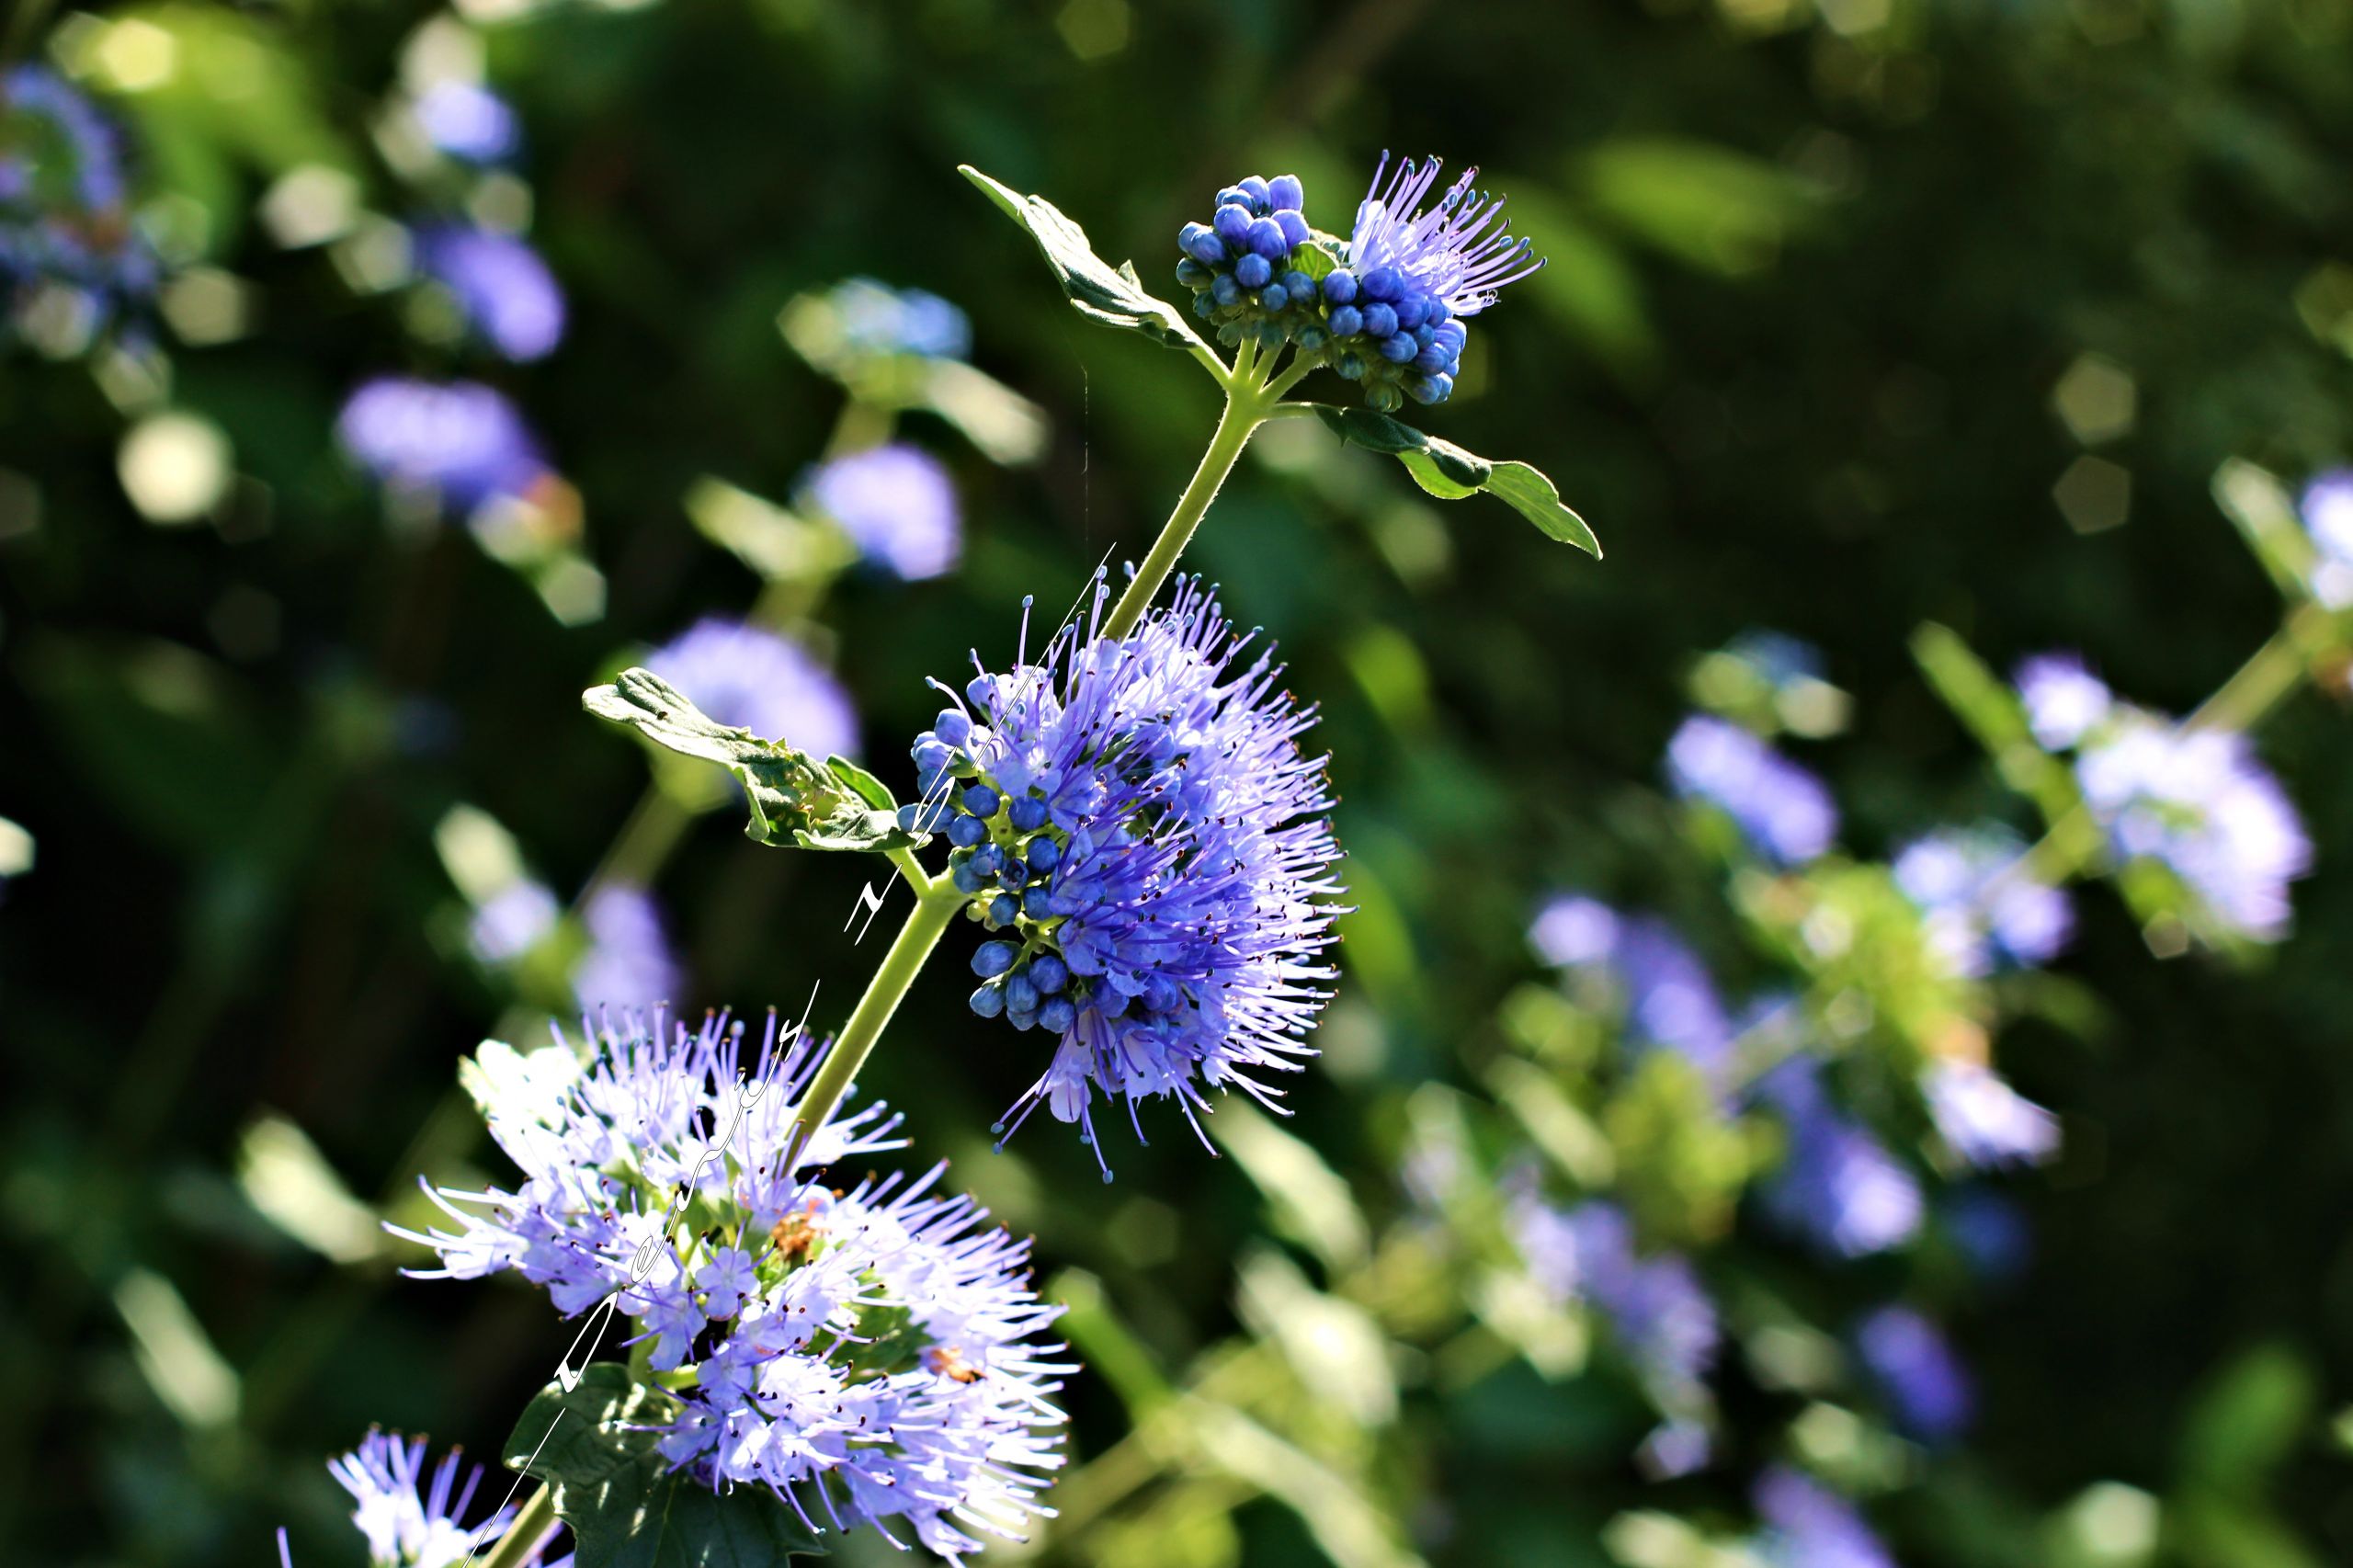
(936, 904)
(1246, 407)
(531, 1526)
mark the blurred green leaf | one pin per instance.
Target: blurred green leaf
(1710, 206)
(2252, 1415)
(625, 1506)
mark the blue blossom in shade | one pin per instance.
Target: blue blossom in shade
(2065, 702)
(868, 1354)
(629, 963)
(1669, 998)
(751, 677)
(1807, 1526)
(1135, 814)
(1988, 1123)
(1784, 811)
(1573, 931)
(469, 123)
(1837, 1188)
(1991, 1233)
(512, 921)
(2199, 802)
(1983, 906)
(413, 1520)
(1656, 1308)
(898, 507)
(875, 318)
(2327, 509)
(1924, 1381)
(460, 444)
(65, 214)
(507, 291)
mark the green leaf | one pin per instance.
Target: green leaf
(1450, 473)
(1114, 296)
(794, 801)
(625, 1508)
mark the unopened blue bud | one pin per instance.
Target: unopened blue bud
(965, 832)
(1050, 972)
(1225, 290)
(1013, 875)
(1270, 335)
(1039, 904)
(1285, 194)
(1313, 338)
(1021, 992)
(1232, 225)
(1347, 321)
(1339, 285)
(1272, 297)
(1268, 239)
(1438, 312)
(993, 959)
(1205, 304)
(988, 1000)
(1020, 1018)
(1004, 909)
(1350, 366)
(1430, 389)
(1384, 283)
(1044, 855)
(1253, 271)
(967, 877)
(953, 726)
(1027, 812)
(1257, 189)
(1411, 309)
(1425, 335)
(1399, 349)
(1298, 285)
(988, 859)
(1380, 321)
(981, 801)
(1294, 228)
(1205, 246)
(1384, 397)
(933, 755)
(1192, 274)
(1452, 334)
(1057, 1015)
(1233, 196)
(1111, 1003)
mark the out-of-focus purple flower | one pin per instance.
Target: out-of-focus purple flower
(897, 504)
(512, 921)
(2199, 802)
(1808, 1526)
(629, 964)
(1991, 1233)
(1657, 1307)
(1988, 1123)
(1924, 1381)
(878, 319)
(750, 677)
(469, 123)
(413, 1521)
(65, 214)
(2328, 516)
(2065, 702)
(507, 291)
(1983, 906)
(1784, 811)
(1779, 660)
(865, 1355)
(1572, 931)
(1838, 1187)
(462, 444)
(1669, 997)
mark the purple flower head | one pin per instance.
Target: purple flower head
(1983, 907)
(507, 291)
(1573, 931)
(1838, 1187)
(1134, 812)
(897, 504)
(413, 1520)
(512, 921)
(2065, 702)
(629, 964)
(2328, 516)
(469, 123)
(461, 443)
(1458, 250)
(1669, 998)
(1923, 1383)
(1656, 1308)
(748, 676)
(867, 1355)
(1810, 1527)
(2198, 801)
(64, 218)
(1783, 810)
(1988, 1123)
(878, 319)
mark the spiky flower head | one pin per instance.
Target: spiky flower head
(755, 679)
(1135, 814)
(65, 225)
(411, 1519)
(897, 504)
(870, 1353)
(1385, 306)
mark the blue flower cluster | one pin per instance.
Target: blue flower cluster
(1983, 906)
(1662, 986)
(508, 295)
(867, 1355)
(897, 504)
(876, 318)
(65, 223)
(1657, 1307)
(1838, 1187)
(1783, 810)
(1387, 306)
(469, 123)
(413, 1521)
(458, 445)
(1922, 1379)
(1808, 1526)
(1134, 815)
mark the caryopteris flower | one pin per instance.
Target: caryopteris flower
(1983, 906)
(751, 677)
(1807, 1526)
(1784, 811)
(629, 964)
(413, 1520)
(1133, 813)
(2065, 702)
(69, 251)
(1838, 1186)
(458, 445)
(469, 123)
(505, 290)
(1924, 1381)
(898, 507)
(2327, 508)
(1657, 1310)
(1984, 1120)
(876, 318)
(870, 1353)
(1663, 987)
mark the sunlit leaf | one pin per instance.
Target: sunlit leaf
(1450, 473)
(1112, 295)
